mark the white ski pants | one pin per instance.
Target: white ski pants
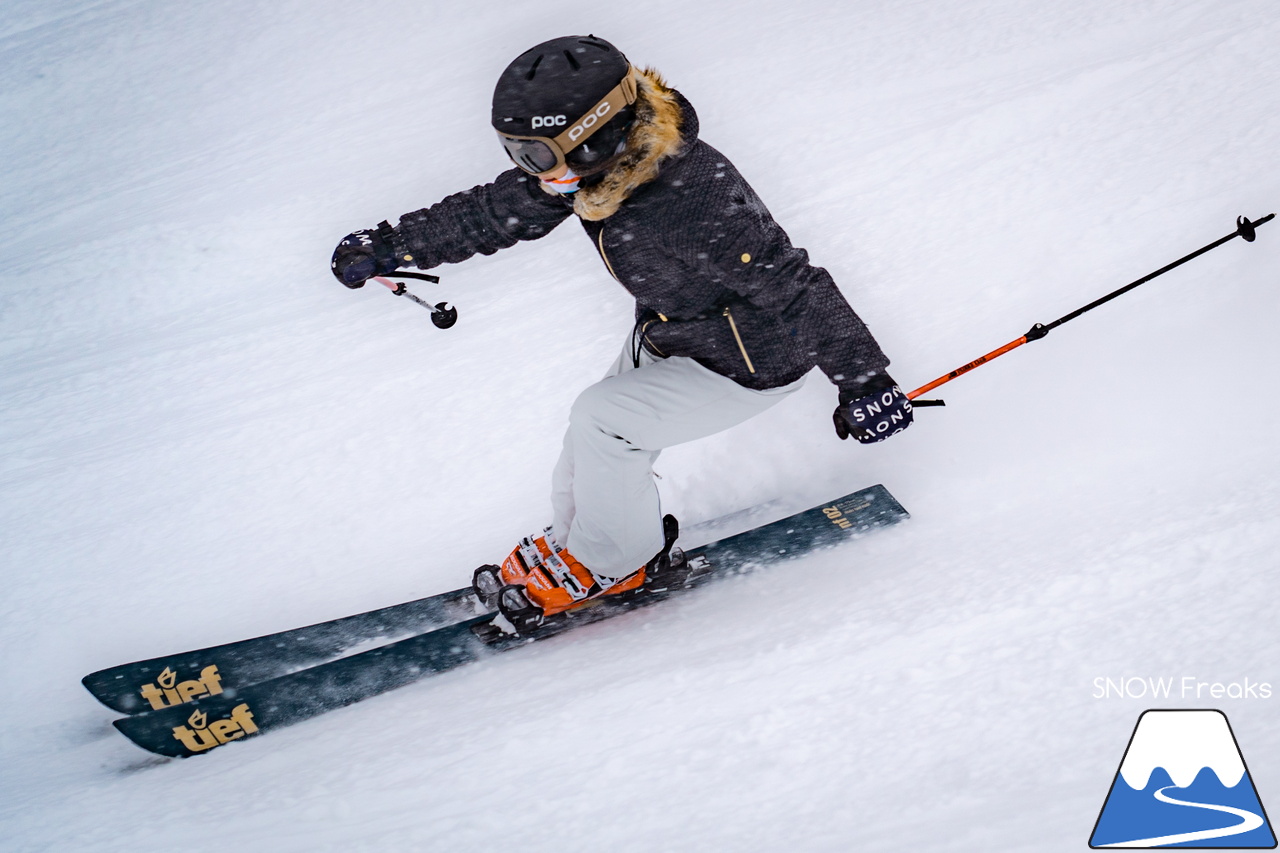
(603, 495)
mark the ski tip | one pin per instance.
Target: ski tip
(123, 726)
(99, 686)
(89, 683)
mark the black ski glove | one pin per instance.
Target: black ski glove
(364, 254)
(872, 410)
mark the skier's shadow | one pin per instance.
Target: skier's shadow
(142, 765)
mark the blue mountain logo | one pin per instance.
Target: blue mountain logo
(1183, 783)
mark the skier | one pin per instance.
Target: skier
(729, 315)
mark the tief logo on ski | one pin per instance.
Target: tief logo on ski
(1183, 783)
(837, 517)
(168, 691)
(200, 734)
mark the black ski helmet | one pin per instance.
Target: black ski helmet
(556, 83)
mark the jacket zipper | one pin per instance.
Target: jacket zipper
(604, 257)
(742, 349)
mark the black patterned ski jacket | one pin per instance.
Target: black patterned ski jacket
(715, 278)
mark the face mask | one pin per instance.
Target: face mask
(565, 184)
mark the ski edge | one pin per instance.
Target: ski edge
(437, 651)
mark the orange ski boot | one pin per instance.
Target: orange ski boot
(541, 579)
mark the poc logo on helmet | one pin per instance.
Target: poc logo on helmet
(589, 121)
(549, 121)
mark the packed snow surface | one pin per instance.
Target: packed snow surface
(203, 437)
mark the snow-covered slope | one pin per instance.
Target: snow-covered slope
(204, 437)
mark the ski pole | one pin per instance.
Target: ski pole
(1245, 229)
(443, 315)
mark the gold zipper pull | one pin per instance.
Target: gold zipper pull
(741, 347)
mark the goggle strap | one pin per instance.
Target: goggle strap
(620, 97)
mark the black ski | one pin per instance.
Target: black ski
(148, 685)
(162, 682)
(236, 713)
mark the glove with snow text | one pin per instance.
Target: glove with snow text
(364, 254)
(872, 410)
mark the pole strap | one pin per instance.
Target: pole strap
(420, 276)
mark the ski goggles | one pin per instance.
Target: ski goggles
(542, 155)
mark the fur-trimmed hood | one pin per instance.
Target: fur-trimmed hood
(665, 126)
